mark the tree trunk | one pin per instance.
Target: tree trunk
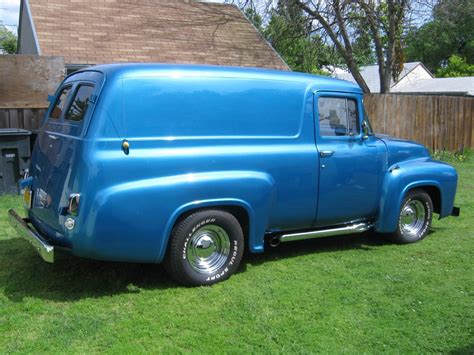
(357, 76)
(346, 49)
(385, 81)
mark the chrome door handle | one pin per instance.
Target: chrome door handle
(326, 153)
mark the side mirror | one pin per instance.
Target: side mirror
(365, 130)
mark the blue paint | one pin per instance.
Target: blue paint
(208, 137)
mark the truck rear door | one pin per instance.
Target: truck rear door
(57, 152)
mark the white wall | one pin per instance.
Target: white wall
(27, 43)
(418, 73)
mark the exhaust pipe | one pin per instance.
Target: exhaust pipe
(275, 241)
(353, 228)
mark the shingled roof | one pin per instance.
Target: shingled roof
(166, 31)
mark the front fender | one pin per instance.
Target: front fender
(132, 221)
(405, 176)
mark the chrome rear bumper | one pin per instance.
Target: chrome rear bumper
(45, 250)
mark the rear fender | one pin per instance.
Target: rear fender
(257, 220)
(143, 212)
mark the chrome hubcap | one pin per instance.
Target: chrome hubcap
(412, 218)
(208, 249)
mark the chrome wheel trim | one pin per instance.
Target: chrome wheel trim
(208, 249)
(412, 218)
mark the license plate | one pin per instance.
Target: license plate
(27, 197)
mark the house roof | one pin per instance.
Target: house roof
(167, 31)
(463, 86)
(370, 73)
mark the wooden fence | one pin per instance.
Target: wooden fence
(27, 118)
(438, 122)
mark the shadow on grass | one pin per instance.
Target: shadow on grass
(365, 241)
(468, 350)
(24, 274)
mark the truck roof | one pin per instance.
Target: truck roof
(129, 70)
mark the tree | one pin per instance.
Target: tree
(457, 66)
(254, 17)
(8, 40)
(384, 20)
(451, 31)
(288, 32)
(362, 45)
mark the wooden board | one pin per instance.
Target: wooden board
(27, 80)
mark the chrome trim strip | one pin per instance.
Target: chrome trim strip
(348, 229)
(45, 250)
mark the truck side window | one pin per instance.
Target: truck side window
(58, 109)
(79, 105)
(338, 117)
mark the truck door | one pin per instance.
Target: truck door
(58, 148)
(350, 163)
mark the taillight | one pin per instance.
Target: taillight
(73, 206)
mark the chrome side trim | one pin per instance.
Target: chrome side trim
(45, 250)
(359, 227)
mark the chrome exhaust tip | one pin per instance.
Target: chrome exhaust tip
(274, 242)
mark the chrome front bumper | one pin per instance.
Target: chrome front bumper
(45, 250)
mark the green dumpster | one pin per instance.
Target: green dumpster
(15, 154)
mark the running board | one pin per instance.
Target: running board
(358, 227)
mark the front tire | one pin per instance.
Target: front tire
(415, 216)
(205, 247)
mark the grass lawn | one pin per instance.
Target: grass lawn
(342, 294)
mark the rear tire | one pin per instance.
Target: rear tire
(414, 220)
(205, 248)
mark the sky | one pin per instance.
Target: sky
(9, 13)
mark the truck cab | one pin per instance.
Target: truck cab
(189, 165)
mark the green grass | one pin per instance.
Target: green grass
(343, 294)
